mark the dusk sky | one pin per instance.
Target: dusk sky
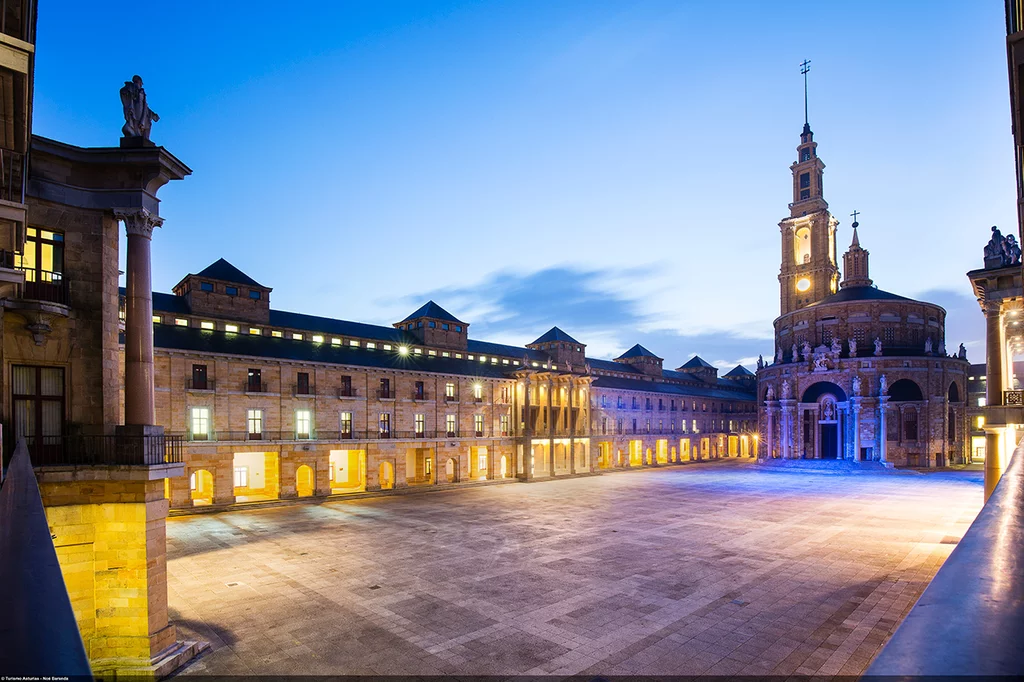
(618, 169)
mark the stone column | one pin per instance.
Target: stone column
(855, 421)
(572, 427)
(139, 402)
(527, 436)
(882, 436)
(770, 433)
(551, 428)
(994, 349)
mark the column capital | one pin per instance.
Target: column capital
(138, 221)
(992, 308)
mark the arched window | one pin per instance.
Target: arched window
(953, 395)
(802, 244)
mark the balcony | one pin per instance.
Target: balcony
(304, 391)
(385, 394)
(199, 385)
(346, 392)
(255, 386)
(451, 398)
(45, 286)
(117, 450)
(478, 399)
(419, 396)
(13, 168)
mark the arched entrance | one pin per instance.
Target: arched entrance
(451, 470)
(387, 476)
(503, 466)
(201, 484)
(823, 418)
(304, 485)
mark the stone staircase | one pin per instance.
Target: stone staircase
(827, 466)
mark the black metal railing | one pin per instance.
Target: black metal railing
(37, 624)
(120, 450)
(1013, 398)
(419, 395)
(43, 285)
(255, 386)
(328, 436)
(304, 390)
(385, 394)
(346, 392)
(12, 175)
(451, 398)
(200, 385)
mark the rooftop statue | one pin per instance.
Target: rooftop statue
(962, 353)
(138, 117)
(1001, 251)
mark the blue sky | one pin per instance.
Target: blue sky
(618, 169)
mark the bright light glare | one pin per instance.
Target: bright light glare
(403, 350)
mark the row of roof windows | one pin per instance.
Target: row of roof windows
(230, 290)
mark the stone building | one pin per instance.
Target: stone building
(274, 404)
(858, 373)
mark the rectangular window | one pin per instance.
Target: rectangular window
(449, 425)
(254, 295)
(444, 326)
(449, 390)
(458, 328)
(385, 389)
(478, 392)
(277, 334)
(42, 261)
(418, 392)
(302, 383)
(604, 425)
(231, 291)
(318, 338)
(205, 286)
(181, 322)
(199, 377)
(805, 180)
(206, 325)
(241, 477)
(504, 425)
(370, 345)
(200, 423)
(157, 319)
(231, 328)
(419, 424)
(296, 336)
(478, 425)
(384, 423)
(254, 420)
(346, 424)
(346, 387)
(255, 331)
(303, 424)
(353, 343)
(335, 341)
(254, 383)
(38, 394)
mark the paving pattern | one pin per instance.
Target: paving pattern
(720, 569)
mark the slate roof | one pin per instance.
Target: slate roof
(612, 366)
(638, 351)
(203, 341)
(739, 371)
(706, 391)
(223, 270)
(431, 309)
(518, 352)
(555, 334)
(697, 362)
(329, 325)
(859, 294)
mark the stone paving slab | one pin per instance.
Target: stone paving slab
(719, 569)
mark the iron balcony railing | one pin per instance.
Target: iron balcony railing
(346, 392)
(43, 285)
(420, 395)
(200, 385)
(329, 436)
(1013, 398)
(255, 386)
(385, 394)
(120, 450)
(38, 628)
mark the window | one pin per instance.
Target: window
(981, 402)
(604, 425)
(346, 424)
(805, 180)
(254, 295)
(200, 423)
(205, 286)
(43, 257)
(353, 343)
(458, 328)
(318, 338)
(889, 335)
(231, 291)
(805, 154)
(385, 389)
(303, 424)
(277, 334)
(206, 325)
(504, 424)
(432, 353)
(419, 423)
(255, 331)
(254, 420)
(157, 319)
(296, 336)
(634, 425)
(449, 390)
(254, 384)
(346, 386)
(478, 425)
(428, 464)
(432, 325)
(335, 341)
(302, 383)
(384, 424)
(618, 425)
(370, 345)
(418, 392)
(241, 477)
(444, 326)
(181, 322)
(38, 394)
(910, 425)
(199, 377)
(449, 425)
(478, 392)
(231, 328)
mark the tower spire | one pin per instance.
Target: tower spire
(855, 261)
(805, 66)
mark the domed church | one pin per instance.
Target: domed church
(858, 373)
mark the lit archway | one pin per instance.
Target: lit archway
(304, 482)
(201, 484)
(387, 476)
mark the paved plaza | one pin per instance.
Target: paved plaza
(722, 568)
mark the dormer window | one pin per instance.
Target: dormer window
(205, 286)
(231, 291)
(254, 295)
(432, 324)
(458, 328)
(444, 326)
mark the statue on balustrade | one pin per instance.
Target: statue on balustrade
(1001, 251)
(138, 117)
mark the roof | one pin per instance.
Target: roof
(612, 366)
(638, 351)
(431, 309)
(203, 341)
(225, 271)
(328, 325)
(859, 294)
(697, 362)
(488, 348)
(739, 372)
(555, 334)
(731, 392)
(165, 303)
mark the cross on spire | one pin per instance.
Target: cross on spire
(805, 66)
(855, 214)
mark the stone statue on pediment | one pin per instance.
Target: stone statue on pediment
(771, 393)
(883, 385)
(796, 354)
(787, 390)
(962, 353)
(1001, 251)
(820, 362)
(853, 347)
(805, 351)
(138, 117)
(836, 348)
(878, 346)
(856, 385)
(760, 362)
(928, 346)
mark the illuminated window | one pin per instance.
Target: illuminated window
(254, 421)
(335, 341)
(417, 351)
(483, 358)
(403, 350)
(478, 425)
(353, 343)
(42, 259)
(371, 345)
(231, 328)
(346, 424)
(181, 322)
(255, 331)
(318, 338)
(981, 402)
(384, 424)
(432, 352)
(200, 423)
(449, 389)
(469, 357)
(445, 354)
(241, 477)
(419, 422)
(386, 346)
(494, 361)
(504, 425)
(504, 362)
(157, 319)
(803, 284)
(449, 425)
(206, 325)
(296, 336)
(980, 422)
(303, 424)
(802, 245)
(478, 391)
(277, 334)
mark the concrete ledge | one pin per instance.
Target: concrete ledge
(108, 472)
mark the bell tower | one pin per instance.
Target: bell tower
(809, 271)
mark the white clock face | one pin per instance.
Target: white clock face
(803, 284)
